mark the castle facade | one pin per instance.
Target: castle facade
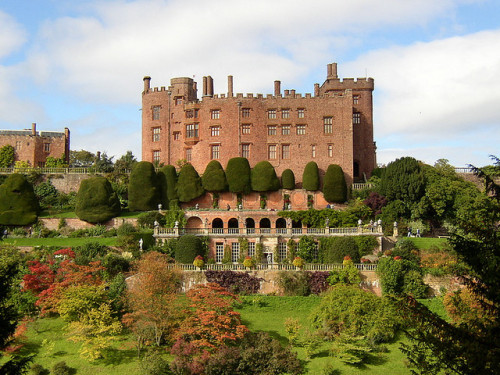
(334, 125)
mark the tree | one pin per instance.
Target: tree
(214, 177)
(310, 177)
(334, 185)
(472, 346)
(288, 179)
(52, 162)
(7, 156)
(96, 202)
(18, 203)
(82, 158)
(263, 177)
(189, 185)
(125, 162)
(238, 175)
(143, 189)
(404, 180)
(153, 300)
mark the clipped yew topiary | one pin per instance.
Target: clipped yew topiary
(143, 188)
(167, 177)
(238, 175)
(187, 248)
(18, 203)
(334, 185)
(189, 184)
(96, 202)
(263, 177)
(288, 179)
(310, 177)
(214, 177)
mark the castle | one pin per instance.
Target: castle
(332, 126)
(34, 147)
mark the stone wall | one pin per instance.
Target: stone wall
(53, 223)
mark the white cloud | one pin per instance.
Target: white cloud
(12, 35)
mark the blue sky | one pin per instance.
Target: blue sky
(80, 64)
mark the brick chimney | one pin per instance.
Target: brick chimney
(277, 88)
(33, 128)
(229, 86)
(147, 83)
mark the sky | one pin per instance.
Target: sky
(80, 64)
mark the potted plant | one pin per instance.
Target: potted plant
(199, 262)
(249, 262)
(299, 263)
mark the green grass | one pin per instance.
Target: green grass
(423, 243)
(72, 215)
(59, 241)
(259, 313)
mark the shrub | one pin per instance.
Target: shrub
(147, 219)
(167, 176)
(214, 177)
(400, 276)
(18, 203)
(235, 282)
(310, 177)
(126, 228)
(238, 175)
(366, 244)
(334, 249)
(96, 202)
(7, 156)
(294, 283)
(348, 275)
(189, 184)
(187, 248)
(153, 364)
(89, 252)
(114, 265)
(288, 179)
(143, 190)
(318, 282)
(61, 368)
(334, 185)
(307, 249)
(263, 177)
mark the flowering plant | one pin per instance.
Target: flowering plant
(249, 262)
(397, 258)
(298, 262)
(347, 260)
(198, 261)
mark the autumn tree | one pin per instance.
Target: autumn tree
(153, 300)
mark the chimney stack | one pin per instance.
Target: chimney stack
(204, 86)
(33, 128)
(210, 88)
(147, 83)
(277, 88)
(229, 86)
(316, 89)
(331, 71)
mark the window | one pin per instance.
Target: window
(301, 129)
(18, 145)
(46, 147)
(156, 112)
(156, 134)
(285, 130)
(271, 113)
(251, 249)
(215, 151)
(271, 130)
(356, 118)
(285, 113)
(235, 252)
(219, 251)
(245, 129)
(282, 251)
(177, 136)
(245, 112)
(271, 152)
(245, 151)
(188, 154)
(330, 151)
(214, 131)
(178, 100)
(189, 113)
(313, 151)
(301, 112)
(215, 114)
(191, 130)
(355, 99)
(285, 151)
(328, 125)
(156, 156)
(196, 111)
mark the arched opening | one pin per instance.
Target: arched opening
(232, 226)
(296, 227)
(265, 225)
(281, 225)
(194, 222)
(250, 225)
(217, 225)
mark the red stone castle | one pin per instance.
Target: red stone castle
(332, 126)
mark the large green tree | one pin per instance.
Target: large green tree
(18, 203)
(143, 189)
(334, 185)
(189, 185)
(238, 175)
(310, 177)
(214, 177)
(263, 177)
(96, 202)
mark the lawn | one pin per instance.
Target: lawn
(58, 241)
(423, 243)
(259, 313)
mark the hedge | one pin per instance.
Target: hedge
(334, 185)
(288, 179)
(310, 177)
(187, 248)
(238, 175)
(189, 184)
(143, 189)
(18, 203)
(96, 202)
(263, 177)
(214, 177)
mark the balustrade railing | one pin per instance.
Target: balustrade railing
(271, 267)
